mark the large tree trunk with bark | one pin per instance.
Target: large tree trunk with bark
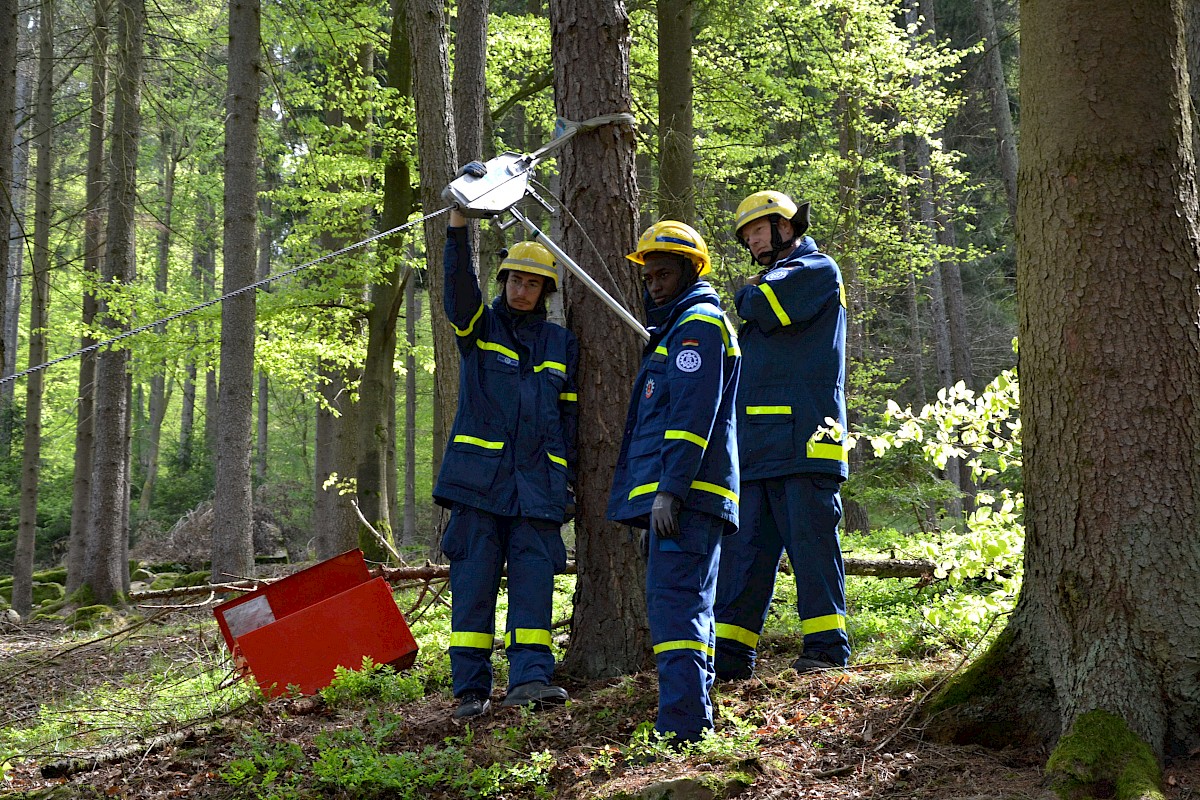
(1110, 375)
(233, 526)
(93, 248)
(437, 154)
(676, 156)
(31, 457)
(107, 541)
(590, 51)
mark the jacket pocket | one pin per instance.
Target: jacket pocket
(769, 434)
(471, 462)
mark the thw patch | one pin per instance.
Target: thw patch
(649, 388)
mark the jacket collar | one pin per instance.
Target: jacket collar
(517, 319)
(661, 318)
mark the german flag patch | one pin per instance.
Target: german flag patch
(691, 342)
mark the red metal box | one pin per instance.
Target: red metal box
(294, 632)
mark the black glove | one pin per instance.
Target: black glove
(644, 544)
(569, 511)
(476, 169)
(664, 515)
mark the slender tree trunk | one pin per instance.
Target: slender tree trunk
(334, 520)
(8, 121)
(202, 269)
(470, 87)
(997, 94)
(39, 297)
(437, 154)
(264, 269)
(590, 47)
(912, 294)
(107, 569)
(233, 506)
(676, 157)
(411, 315)
(1106, 616)
(93, 249)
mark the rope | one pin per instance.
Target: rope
(247, 288)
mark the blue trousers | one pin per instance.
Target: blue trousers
(681, 582)
(478, 545)
(800, 513)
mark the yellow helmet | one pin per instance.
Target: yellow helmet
(670, 236)
(764, 204)
(531, 257)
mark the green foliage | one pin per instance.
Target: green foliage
(374, 682)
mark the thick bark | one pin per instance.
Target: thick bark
(997, 94)
(233, 534)
(590, 50)
(1109, 376)
(676, 159)
(437, 153)
(31, 457)
(93, 248)
(107, 569)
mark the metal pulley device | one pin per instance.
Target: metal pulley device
(508, 182)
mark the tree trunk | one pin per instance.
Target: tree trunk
(590, 51)
(31, 457)
(107, 569)
(158, 381)
(8, 120)
(997, 94)
(912, 295)
(676, 158)
(437, 154)
(412, 312)
(334, 520)
(202, 267)
(93, 248)
(1109, 384)
(233, 505)
(470, 88)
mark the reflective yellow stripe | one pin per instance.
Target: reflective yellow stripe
(499, 348)
(842, 294)
(683, 644)
(557, 459)
(784, 319)
(470, 325)
(702, 486)
(829, 622)
(527, 636)
(752, 410)
(687, 436)
(731, 347)
(484, 443)
(662, 351)
(645, 488)
(551, 365)
(746, 637)
(832, 452)
(570, 397)
(481, 641)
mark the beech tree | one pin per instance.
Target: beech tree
(1100, 649)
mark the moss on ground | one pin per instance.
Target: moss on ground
(1101, 757)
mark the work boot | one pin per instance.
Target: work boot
(538, 693)
(731, 669)
(472, 704)
(813, 662)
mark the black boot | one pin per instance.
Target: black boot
(814, 662)
(538, 693)
(472, 704)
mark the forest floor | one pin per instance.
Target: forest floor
(833, 735)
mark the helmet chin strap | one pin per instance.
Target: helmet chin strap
(778, 246)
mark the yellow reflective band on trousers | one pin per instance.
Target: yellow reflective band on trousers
(569, 397)
(527, 636)
(484, 443)
(761, 410)
(769, 293)
(499, 348)
(683, 644)
(733, 632)
(829, 622)
(470, 325)
(703, 486)
(557, 459)
(554, 365)
(832, 452)
(731, 347)
(480, 641)
(687, 436)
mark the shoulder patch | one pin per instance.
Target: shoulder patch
(776, 274)
(688, 361)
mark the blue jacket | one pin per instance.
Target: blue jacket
(680, 433)
(512, 448)
(794, 372)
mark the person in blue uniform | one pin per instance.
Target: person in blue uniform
(677, 473)
(793, 338)
(507, 470)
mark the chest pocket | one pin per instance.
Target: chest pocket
(498, 358)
